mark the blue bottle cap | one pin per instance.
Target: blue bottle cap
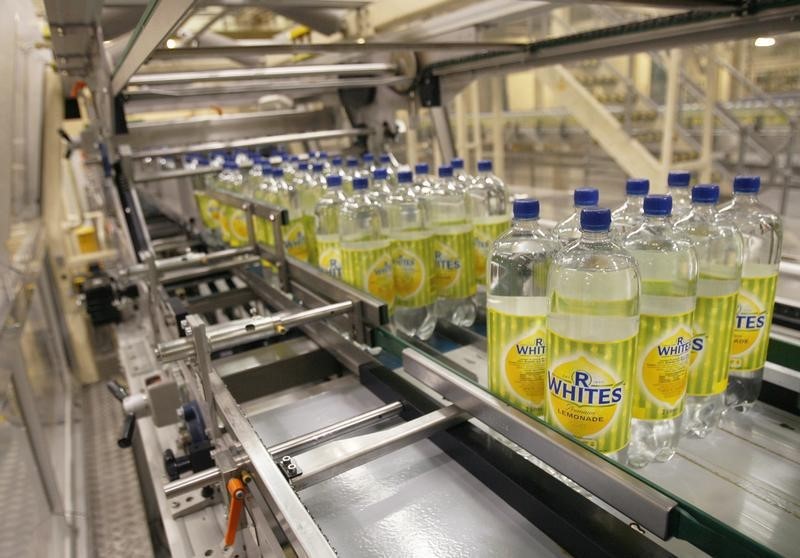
(229, 165)
(679, 178)
(360, 183)
(317, 167)
(202, 160)
(277, 172)
(596, 220)
(658, 204)
(747, 184)
(333, 180)
(484, 165)
(404, 177)
(294, 159)
(379, 174)
(422, 168)
(368, 157)
(526, 208)
(457, 163)
(336, 160)
(637, 186)
(322, 155)
(445, 171)
(352, 162)
(385, 159)
(586, 196)
(705, 193)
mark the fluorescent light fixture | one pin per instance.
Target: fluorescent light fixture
(765, 41)
(172, 43)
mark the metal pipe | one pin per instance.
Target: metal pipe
(190, 259)
(292, 446)
(249, 329)
(264, 73)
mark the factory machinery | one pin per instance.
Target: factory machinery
(275, 411)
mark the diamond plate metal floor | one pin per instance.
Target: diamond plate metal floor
(116, 510)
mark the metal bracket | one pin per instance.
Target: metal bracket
(289, 467)
(429, 90)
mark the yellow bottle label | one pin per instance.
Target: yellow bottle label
(295, 240)
(752, 323)
(330, 256)
(484, 236)
(454, 276)
(588, 390)
(238, 228)
(413, 263)
(517, 355)
(225, 212)
(662, 368)
(713, 330)
(264, 233)
(370, 270)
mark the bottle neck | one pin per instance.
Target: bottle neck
(525, 224)
(679, 191)
(745, 197)
(635, 201)
(579, 208)
(593, 237)
(704, 209)
(657, 220)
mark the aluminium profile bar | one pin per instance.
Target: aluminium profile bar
(634, 498)
(367, 68)
(250, 142)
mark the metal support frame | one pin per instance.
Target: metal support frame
(444, 133)
(201, 345)
(632, 497)
(670, 112)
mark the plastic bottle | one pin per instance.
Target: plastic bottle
(516, 309)
(668, 269)
(366, 250)
(207, 207)
(266, 191)
(413, 260)
(387, 163)
(678, 188)
(488, 207)
(230, 180)
(368, 160)
(322, 159)
(569, 230)
(351, 171)
(454, 277)
(423, 181)
(719, 255)
(460, 174)
(593, 322)
(762, 234)
(327, 227)
(627, 217)
(295, 239)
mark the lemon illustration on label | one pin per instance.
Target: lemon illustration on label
(409, 272)
(448, 266)
(750, 320)
(379, 278)
(295, 242)
(583, 397)
(665, 368)
(239, 226)
(525, 366)
(330, 260)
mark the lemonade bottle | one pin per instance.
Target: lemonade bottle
(387, 163)
(516, 309)
(366, 250)
(488, 207)
(668, 268)
(413, 260)
(327, 226)
(569, 230)
(351, 171)
(460, 174)
(719, 255)
(627, 217)
(229, 180)
(454, 276)
(593, 321)
(295, 240)
(762, 233)
(678, 188)
(423, 181)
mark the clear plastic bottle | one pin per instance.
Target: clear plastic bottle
(423, 181)
(336, 166)
(569, 230)
(351, 171)
(327, 227)
(668, 269)
(412, 255)
(516, 309)
(295, 239)
(593, 321)
(488, 207)
(368, 163)
(719, 256)
(266, 191)
(230, 180)
(322, 159)
(762, 234)
(678, 188)
(460, 174)
(366, 250)
(627, 217)
(207, 207)
(454, 277)
(386, 162)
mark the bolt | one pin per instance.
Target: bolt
(176, 504)
(286, 458)
(291, 466)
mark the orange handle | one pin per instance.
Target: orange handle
(236, 491)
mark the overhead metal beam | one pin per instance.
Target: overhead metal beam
(267, 49)
(263, 73)
(160, 18)
(250, 142)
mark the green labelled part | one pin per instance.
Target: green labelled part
(517, 358)
(589, 390)
(662, 366)
(713, 330)
(752, 322)
(455, 270)
(413, 263)
(485, 233)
